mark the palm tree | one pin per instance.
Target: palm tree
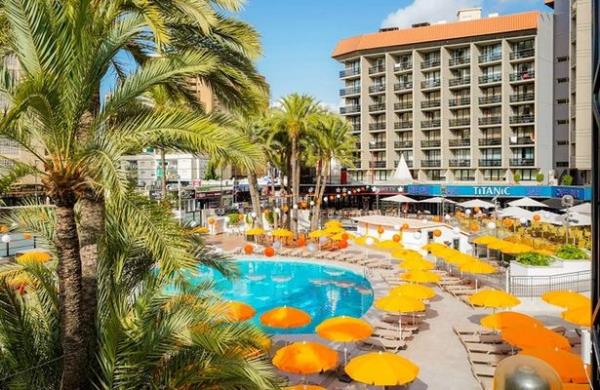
(296, 117)
(332, 141)
(65, 49)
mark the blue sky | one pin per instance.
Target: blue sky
(299, 35)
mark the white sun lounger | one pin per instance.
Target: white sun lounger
(380, 343)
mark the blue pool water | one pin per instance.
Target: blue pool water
(322, 291)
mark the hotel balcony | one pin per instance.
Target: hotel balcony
(464, 178)
(377, 164)
(522, 162)
(434, 83)
(522, 97)
(434, 103)
(357, 163)
(403, 144)
(522, 76)
(459, 142)
(405, 105)
(350, 91)
(493, 99)
(490, 162)
(355, 127)
(522, 141)
(377, 126)
(350, 72)
(404, 86)
(459, 81)
(459, 163)
(432, 124)
(409, 163)
(350, 110)
(459, 101)
(403, 125)
(357, 145)
(490, 78)
(490, 120)
(401, 66)
(377, 88)
(485, 58)
(377, 145)
(490, 141)
(377, 107)
(461, 60)
(431, 163)
(456, 122)
(430, 63)
(431, 143)
(519, 119)
(523, 53)
(377, 69)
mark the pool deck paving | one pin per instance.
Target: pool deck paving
(436, 349)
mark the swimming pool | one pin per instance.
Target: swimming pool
(322, 291)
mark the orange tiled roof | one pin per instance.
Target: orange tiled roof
(438, 32)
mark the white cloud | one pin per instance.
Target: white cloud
(427, 11)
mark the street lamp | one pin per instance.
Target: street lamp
(6, 238)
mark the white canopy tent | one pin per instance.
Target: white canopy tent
(515, 212)
(526, 202)
(578, 219)
(550, 217)
(399, 199)
(469, 204)
(437, 200)
(583, 208)
(402, 175)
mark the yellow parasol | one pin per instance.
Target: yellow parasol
(388, 245)
(318, 234)
(417, 265)
(382, 369)
(581, 315)
(344, 330)
(421, 277)
(399, 304)
(566, 299)
(34, 257)
(416, 291)
(282, 233)
(493, 299)
(333, 223)
(255, 232)
(485, 240)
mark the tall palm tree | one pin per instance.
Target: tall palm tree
(65, 49)
(296, 117)
(331, 142)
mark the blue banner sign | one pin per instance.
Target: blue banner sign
(501, 191)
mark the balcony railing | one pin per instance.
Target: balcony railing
(377, 164)
(459, 122)
(431, 163)
(459, 162)
(431, 124)
(350, 109)
(356, 127)
(349, 91)
(430, 63)
(459, 81)
(403, 86)
(490, 141)
(377, 126)
(490, 57)
(431, 143)
(409, 163)
(459, 101)
(434, 83)
(522, 97)
(490, 120)
(492, 99)
(460, 60)
(350, 72)
(522, 76)
(459, 142)
(522, 162)
(403, 144)
(522, 53)
(357, 145)
(522, 141)
(430, 103)
(496, 162)
(357, 163)
(377, 145)
(490, 78)
(377, 69)
(377, 107)
(522, 119)
(406, 105)
(377, 88)
(407, 65)
(403, 125)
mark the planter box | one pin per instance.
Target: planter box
(558, 267)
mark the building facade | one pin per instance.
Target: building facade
(465, 101)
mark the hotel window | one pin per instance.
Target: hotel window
(491, 51)
(381, 175)
(562, 121)
(562, 164)
(491, 154)
(493, 174)
(562, 59)
(562, 80)
(463, 174)
(435, 175)
(526, 174)
(562, 101)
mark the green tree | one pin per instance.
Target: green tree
(566, 180)
(539, 177)
(517, 177)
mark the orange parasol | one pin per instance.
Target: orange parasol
(285, 317)
(509, 319)
(535, 336)
(305, 358)
(238, 311)
(567, 365)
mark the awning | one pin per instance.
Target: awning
(399, 199)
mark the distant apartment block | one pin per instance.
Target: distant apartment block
(465, 101)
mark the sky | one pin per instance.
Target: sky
(299, 36)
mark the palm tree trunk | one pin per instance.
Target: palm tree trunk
(255, 197)
(90, 229)
(293, 179)
(163, 181)
(70, 295)
(315, 219)
(319, 195)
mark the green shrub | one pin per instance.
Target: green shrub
(532, 258)
(270, 217)
(517, 178)
(572, 252)
(566, 180)
(234, 219)
(539, 177)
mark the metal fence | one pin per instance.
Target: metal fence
(535, 286)
(19, 243)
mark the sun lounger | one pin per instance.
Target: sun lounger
(463, 292)
(483, 370)
(481, 338)
(486, 383)
(379, 343)
(471, 329)
(391, 333)
(488, 348)
(486, 358)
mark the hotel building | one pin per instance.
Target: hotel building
(467, 101)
